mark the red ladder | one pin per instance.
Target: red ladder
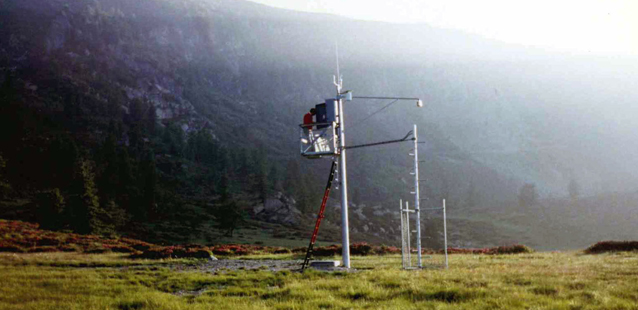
(320, 216)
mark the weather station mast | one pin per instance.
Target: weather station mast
(326, 138)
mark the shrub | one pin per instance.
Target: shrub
(48, 241)
(201, 254)
(235, 249)
(222, 251)
(69, 248)
(121, 249)
(384, 249)
(612, 246)
(96, 250)
(8, 247)
(330, 250)
(513, 249)
(360, 248)
(300, 250)
(191, 251)
(135, 244)
(242, 252)
(281, 251)
(176, 252)
(153, 253)
(43, 249)
(510, 249)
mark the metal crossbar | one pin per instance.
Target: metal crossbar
(404, 139)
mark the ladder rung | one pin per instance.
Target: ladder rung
(320, 216)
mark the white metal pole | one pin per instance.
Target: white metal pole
(402, 234)
(407, 216)
(445, 234)
(416, 198)
(345, 236)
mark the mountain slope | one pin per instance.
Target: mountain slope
(497, 115)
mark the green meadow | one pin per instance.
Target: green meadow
(561, 280)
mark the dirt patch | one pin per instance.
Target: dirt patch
(247, 264)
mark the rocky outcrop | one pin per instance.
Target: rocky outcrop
(279, 209)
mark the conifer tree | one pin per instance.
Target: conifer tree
(50, 209)
(224, 188)
(126, 190)
(90, 198)
(65, 155)
(5, 187)
(137, 128)
(86, 214)
(190, 151)
(275, 179)
(108, 180)
(260, 176)
(173, 139)
(227, 212)
(297, 185)
(291, 180)
(242, 169)
(151, 119)
(148, 176)
(229, 216)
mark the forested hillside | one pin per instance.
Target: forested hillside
(165, 119)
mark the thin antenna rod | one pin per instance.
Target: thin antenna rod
(337, 54)
(337, 79)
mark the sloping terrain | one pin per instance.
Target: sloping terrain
(497, 116)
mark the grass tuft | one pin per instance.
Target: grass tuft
(277, 294)
(443, 295)
(131, 305)
(359, 294)
(545, 290)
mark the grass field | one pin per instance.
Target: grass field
(570, 280)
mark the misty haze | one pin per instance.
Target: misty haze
(160, 141)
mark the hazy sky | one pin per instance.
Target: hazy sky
(580, 26)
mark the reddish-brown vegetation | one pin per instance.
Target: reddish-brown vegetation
(508, 249)
(367, 249)
(612, 246)
(22, 237)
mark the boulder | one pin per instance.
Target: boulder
(279, 209)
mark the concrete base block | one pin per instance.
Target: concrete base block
(325, 264)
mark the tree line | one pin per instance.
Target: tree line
(123, 171)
